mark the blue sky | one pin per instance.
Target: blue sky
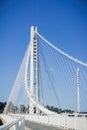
(63, 22)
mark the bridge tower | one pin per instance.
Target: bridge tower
(34, 69)
(78, 88)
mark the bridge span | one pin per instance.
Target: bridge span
(47, 77)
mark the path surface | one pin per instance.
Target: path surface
(35, 126)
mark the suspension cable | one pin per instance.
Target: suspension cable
(62, 52)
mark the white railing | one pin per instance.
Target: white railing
(76, 122)
(12, 124)
(65, 121)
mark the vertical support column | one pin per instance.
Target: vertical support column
(34, 71)
(78, 88)
(31, 106)
(37, 71)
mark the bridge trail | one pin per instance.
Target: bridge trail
(26, 128)
(37, 126)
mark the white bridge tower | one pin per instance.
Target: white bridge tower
(34, 69)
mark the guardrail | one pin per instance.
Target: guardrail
(14, 125)
(71, 122)
(65, 121)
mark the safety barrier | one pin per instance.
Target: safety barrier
(72, 122)
(65, 121)
(12, 123)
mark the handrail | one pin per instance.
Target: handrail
(10, 124)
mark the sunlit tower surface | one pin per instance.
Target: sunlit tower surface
(34, 69)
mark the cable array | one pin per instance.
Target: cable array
(57, 80)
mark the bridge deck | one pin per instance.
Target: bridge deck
(37, 126)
